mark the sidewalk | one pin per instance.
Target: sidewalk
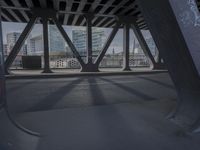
(60, 73)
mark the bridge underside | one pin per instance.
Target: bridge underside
(49, 15)
(172, 25)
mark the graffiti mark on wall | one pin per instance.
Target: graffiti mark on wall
(194, 9)
(191, 16)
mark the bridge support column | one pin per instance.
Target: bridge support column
(176, 52)
(89, 38)
(89, 66)
(126, 46)
(46, 46)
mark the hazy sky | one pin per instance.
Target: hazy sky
(37, 30)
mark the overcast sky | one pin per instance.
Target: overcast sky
(37, 30)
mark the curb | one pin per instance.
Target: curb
(61, 75)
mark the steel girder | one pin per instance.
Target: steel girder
(89, 66)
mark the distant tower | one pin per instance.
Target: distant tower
(113, 51)
(133, 45)
(11, 40)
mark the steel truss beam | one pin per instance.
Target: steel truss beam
(16, 3)
(108, 4)
(37, 13)
(114, 12)
(10, 11)
(89, 38)
(79, 9)
(107, 44)
(60, 12)
(142, 42)
(49, 14)
(6, 17)
(45, 15)
(19, 43)
(68, 7)
(69, 42)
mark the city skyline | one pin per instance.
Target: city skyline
(79, 38)
(117, 43)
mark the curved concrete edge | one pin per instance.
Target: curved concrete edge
(63, 75)
(12, 138)
(187, 112)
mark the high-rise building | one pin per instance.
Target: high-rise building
(56, 41)
(35, 45)
(12, 37)
(11, 41)
(79, 39)
(5, 49)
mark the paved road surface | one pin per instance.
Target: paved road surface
(100, 113)
(45, 94)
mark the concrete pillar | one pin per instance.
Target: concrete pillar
(171, 43)
(46, 46)
(126, 47)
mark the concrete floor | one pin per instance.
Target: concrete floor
(100, 113)
(48, 94)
